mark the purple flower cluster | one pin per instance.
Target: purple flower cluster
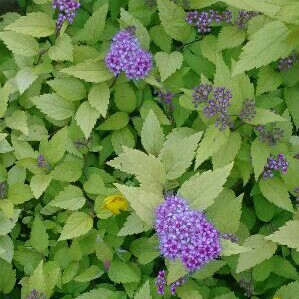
(231, 237)
(36, 295)
(248, 110)
(126, 55)
(243, 17)
(218, 106)
(201, 93)
(186, 234)
(42, 163)
(271, 137)
(166, 97)
(161, 283)
(279, 164)
(285, 64)
(202, 20)
(67, 11)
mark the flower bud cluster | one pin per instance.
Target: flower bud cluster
(166, 97)
(271, 136)
(231, 237)
(243, 17)
(285, 64)
(186, 234)
(279, 164)
(127, 55)
(248, 110)
(36, 295)
(201, 93)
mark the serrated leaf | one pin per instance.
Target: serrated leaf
(20, 44)
(98, 98)
(97, 293)
(133, 225)
(287, 235)
(86, 118)
(208, 269)
(70, 89)
(6, 249)
(176, 270)
(70, 198)
(36, 24)
(276, 192)
(152, 136)
(8, 277)
(168, 63)
(266, 45)
(177, 154)
(226, 204)
(91, 273)
(94, 26)
(289, 291)
(229, 248)
(148, 170)
(18, 121)
(121, 272)
(142, 202)
(39, 183)
(39, 238)
(90, 71)
(115, 121)
(282, 267)
(213, 141)
(121, 138)
(145, 250)
(201, 189)
(24, 79)
(230, 37)
(19, 193)
(68, 171)
(260, 152)
(261, 250)
(291, 95)
(78, 224)
(264, 116)
(36, 281)
(7, 224)
(144, 292)
(173, 20)
(268, 80)
(62, 50)
(160, 38)
(126, 20)
(189, 290)
(125, 97)
(54, 106)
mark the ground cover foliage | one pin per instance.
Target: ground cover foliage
(161, 164)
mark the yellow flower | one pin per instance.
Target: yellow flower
(116, 203)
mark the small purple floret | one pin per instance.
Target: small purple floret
(36, 295)
(186, 234)
(285, 64)
(279, 164)
(244, 16)
(248, 110)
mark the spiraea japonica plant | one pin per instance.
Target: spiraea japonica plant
(149, 149)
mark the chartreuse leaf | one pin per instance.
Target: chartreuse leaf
(230, 37)
(266, 45)
(121, 272)
(39, 183)
(25, 78)
(226, 204)
(86, 118)
(284, 268)
(97, 293)
(148, 170)
(121, 138)
(261, 250)
(212, 142)
(78, 224)
(126, 20)
(268, 80)
(229, 248)
(173, 20)
(124, 97)
(62, 50)
(133, 225)
(6, 249)
(54, 106)
(208, 269)
(94, 26)
(264, 209)
(290, 96)
(91, 273)
(36, 281)
(142, 202)
(176, 270)
(8, 277)
(98, 98)
(144, 292)
(152, 136)
(160, 38)
(145, 250)
(68, 171)
(228, 153)
(264, 116)
(201, 189)
(39, 238)
(260, 152)
(276, 192)
(69, 272)
(19, 193)
(287, 235)
(90, 71)
(289, 291)
(229, 295)
(36, 24)
(190, 289)
(147, 106)
(168, 63)
(20, 44)
(70, 89)
(115, 121)
(7, 224)
(177, 154)
(70, 198)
